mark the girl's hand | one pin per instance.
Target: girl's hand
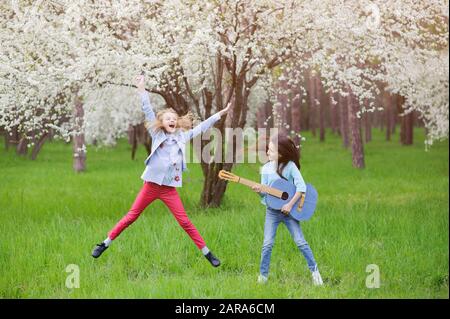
(225, 110)
(257, 188)
(140, 83)
(286, 209)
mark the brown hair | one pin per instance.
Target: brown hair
(287, 151)
(183, 122)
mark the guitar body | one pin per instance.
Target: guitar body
(279, 193)
(289, 191)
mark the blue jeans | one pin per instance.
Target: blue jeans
(273, 219)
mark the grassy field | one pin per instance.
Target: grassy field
(393, 214)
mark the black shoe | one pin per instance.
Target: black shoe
(212, 259)
(99, 250)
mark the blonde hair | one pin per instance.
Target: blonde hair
(183, 122)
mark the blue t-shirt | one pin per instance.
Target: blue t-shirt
(290, 172)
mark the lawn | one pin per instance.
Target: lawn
(394, 214)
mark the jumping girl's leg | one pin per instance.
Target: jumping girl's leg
(170, 197)
(148, 193)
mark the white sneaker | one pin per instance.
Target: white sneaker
(317, 279)
(262, 279)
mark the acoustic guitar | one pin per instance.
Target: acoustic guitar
(279, 193)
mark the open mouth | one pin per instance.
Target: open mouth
(172, 125)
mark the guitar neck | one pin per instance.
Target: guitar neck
(266, 189)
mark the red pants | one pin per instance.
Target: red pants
(169, 195)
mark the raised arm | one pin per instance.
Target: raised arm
(145, 99)
(147, 106)
(202, 127)
(206, 124)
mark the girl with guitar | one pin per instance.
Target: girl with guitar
(283, 162)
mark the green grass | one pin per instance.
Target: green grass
(393, 214)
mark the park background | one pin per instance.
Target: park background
(362, 86)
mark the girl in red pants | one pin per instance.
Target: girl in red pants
(163, 170)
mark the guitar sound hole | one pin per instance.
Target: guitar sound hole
(284, 196)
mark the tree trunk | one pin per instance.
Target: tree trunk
(343, 116)
(318, 86)
(214, 188)
(393, 114)
(304, 111)
(268, 111)
(6, 141)
(312, 104)
(367, 123)
(79, 153)
(378, 119)
(282, 108)
(288, 115)
(406, 123)
(12, 138)
(295, 116)
(388, 101)
(143, 137)
(381, 120)
(333, 114)
(418, 120)
(132, 140)
(51, 134)
(22, 147)
(38, 146)
(138, 134)
(355, 131)
(337, 115)
(261, 118)
(239, 88)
